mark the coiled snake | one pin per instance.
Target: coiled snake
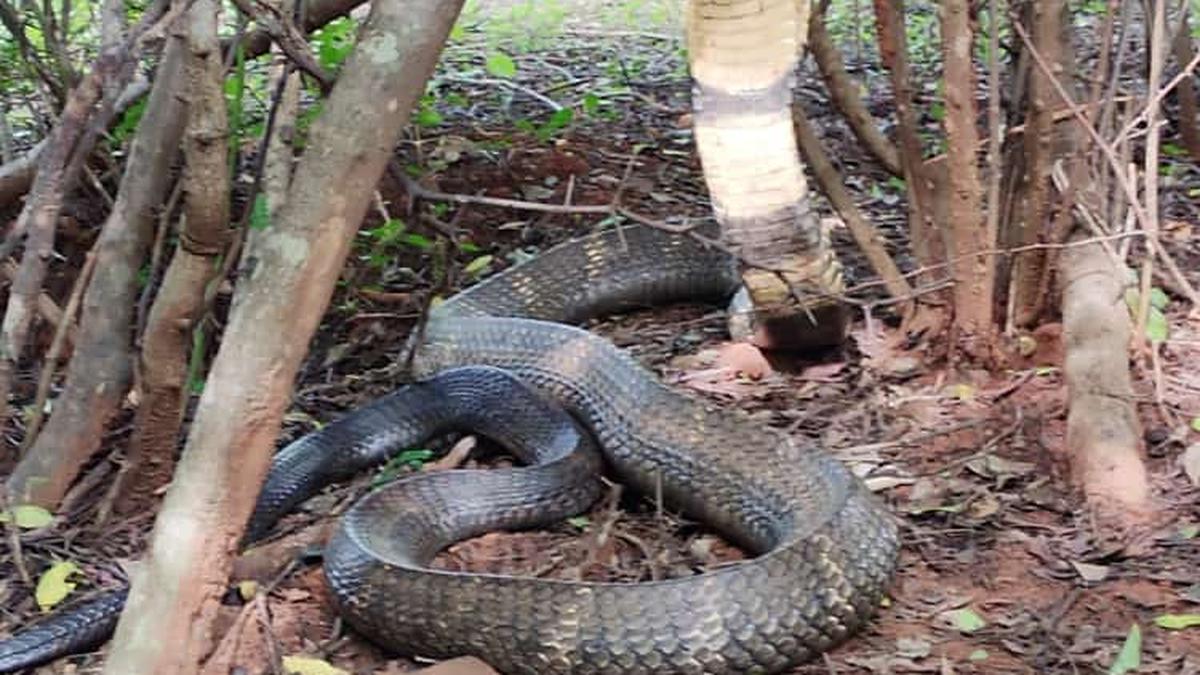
(825, 548)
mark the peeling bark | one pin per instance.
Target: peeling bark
(166, 626)
(101, 369)
(1103, 433)
(180, 300)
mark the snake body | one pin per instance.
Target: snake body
(486, 360)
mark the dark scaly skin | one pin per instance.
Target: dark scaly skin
(827, 548)
(564, 470)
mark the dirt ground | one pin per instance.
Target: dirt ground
(1001, 569)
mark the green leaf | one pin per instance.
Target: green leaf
(560, 119)
(28, 517)
(1156, 325)
(308, 665)
(579, 522)
(978, 655)
(966, 620)
(414, 458)
(1177, 621)
(54, 586)
(1195, 424)
(415, 240)
(478, 265)
(260, 216)
(1158, 298)
(1189, 531)
(428, 117)
(591, 103)
(501, 65)
(1131, 653)
(129, 121)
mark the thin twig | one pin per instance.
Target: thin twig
(50, 363)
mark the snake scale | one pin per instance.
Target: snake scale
(488, 360)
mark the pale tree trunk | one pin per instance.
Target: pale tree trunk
(101, 370)
(167, 623)
(1103, 432)
(968, 234)
(743, 55)
(180, 300)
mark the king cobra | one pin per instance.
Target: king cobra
(501, 359)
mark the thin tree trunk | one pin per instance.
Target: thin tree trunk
(89, 108)
(1189, 109)
(100, 371)
(844, 93)
(167, 623)
(17, 176)
(927, 241)
(1045, 17)
(180, 300)
(969, 237)
(865, 235)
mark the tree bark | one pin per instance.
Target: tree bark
(89, 108)
(924, 227)
(968, 235)
(865, 235)
(844, 93)
(1045, 18)
(166, 626)
(1103, 432)
(17, 175)
(316, 13)
(179, 303)
(1189, 108)
(101, 369)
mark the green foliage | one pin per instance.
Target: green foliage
(129, 121)
(260, 213)
(1177, 621)
(334, 42)
(55, 584)
(501, 65)
(405, 461)
(1130, 656)
(27, 517)
(388, 238)
(1157, 327)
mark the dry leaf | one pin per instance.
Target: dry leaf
(742, 358)
(1191, 462)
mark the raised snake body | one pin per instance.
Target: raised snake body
(825, 548)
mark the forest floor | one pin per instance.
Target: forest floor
(1001, 569)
